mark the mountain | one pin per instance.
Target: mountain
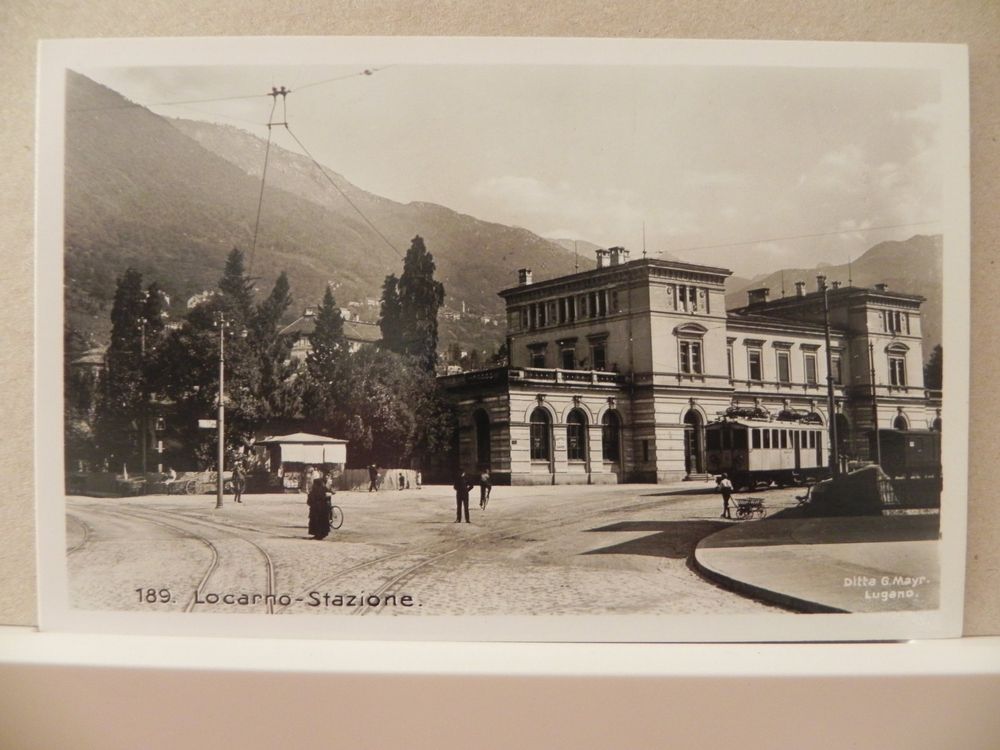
(172, 197)
(913, 266)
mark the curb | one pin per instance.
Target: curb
(793, 603)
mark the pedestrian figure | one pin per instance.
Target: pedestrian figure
(726, 488)
(373, 478)
(402, 482)
(320, 505)
(239, 483)
(419, 478)
(485, 485)
(462, 486)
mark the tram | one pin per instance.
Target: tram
(752, 451)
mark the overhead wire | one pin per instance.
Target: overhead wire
(263, 183)
(340, 190)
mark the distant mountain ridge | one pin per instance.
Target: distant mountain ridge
(172, 197)
(913, 266)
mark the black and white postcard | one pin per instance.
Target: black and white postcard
(502, 339)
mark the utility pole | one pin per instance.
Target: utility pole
(830, 401)
(220, 321)
(143, 420)
(878, 442)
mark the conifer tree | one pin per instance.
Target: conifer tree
(236, 287)
(329, 349)
(420, 298)
(121, 387)
(390, 316)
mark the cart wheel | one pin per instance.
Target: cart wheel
(336, 517)
(190, 486)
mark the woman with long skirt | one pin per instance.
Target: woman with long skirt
(319, 509)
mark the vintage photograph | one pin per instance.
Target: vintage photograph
(503, 339)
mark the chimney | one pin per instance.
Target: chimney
(836, 285)
(617, 255)
(601, 255)
(800, 289)
(758, 296)
(523, 276)
(820, 282)
(883, 287)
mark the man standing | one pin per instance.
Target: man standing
(239, 483)
(462, 486)
(373, 478)
(726, 488)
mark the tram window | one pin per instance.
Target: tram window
(774, 438)
(739, 440)
(784, 438)
(712, 439)
(756, 438)
(767, 438)
(725, 440)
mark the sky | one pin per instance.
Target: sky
(731, 166)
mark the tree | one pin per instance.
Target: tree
(236, 287)
(122, 385)
(390, 316)
(420, 298)
(323, 363)
(934, 369)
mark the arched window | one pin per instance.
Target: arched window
(936, 424)
(900, 423)
(576, 436)
(611, 429)
(541, 429)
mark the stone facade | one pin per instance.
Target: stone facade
(615, 372)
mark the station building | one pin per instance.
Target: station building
(615, 372)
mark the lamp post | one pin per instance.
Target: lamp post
(830, 401)
(143, 419)
(221, 323)
(878, 442)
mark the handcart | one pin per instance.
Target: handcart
(750, 507)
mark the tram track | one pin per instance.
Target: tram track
(509, 531)
(268, 560)
(87, 533)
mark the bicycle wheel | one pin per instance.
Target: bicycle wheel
(336, 517)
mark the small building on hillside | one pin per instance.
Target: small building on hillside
(357, 333)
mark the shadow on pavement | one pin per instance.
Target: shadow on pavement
(674, 539)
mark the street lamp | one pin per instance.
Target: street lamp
(221, 323)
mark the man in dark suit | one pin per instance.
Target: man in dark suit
(462, 486)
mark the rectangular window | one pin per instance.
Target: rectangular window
(837, 375)
(897, 371)
(754, 364)
(645, 451)
(819, 449)
(740, 439)
(784, 368)
(755, 438)
(784, 438)
(725, 440)
(774, 438)
(811, 378)
(538, 357)
(729, 360)
(767, 438)
(690, 356)
(598, 356)
(568, 359)
(614, 302)
(713, 440)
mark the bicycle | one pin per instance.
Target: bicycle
(336, 517)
